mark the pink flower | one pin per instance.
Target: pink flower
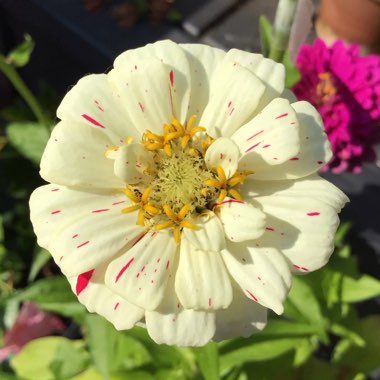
(31, 323)
(345, 88)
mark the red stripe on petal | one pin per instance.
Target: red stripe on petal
(281, 116)
(55, 212)
(83, 244)
(313, 213)
(93, 121)
(101, 210)
(252, 295)
(122, 270)
(252, 147)
(171, 76)
(82, 281)
(254, 135)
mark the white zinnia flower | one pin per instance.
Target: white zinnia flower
(189, 225)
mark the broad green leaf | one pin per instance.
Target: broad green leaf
(265, 35)
(39, 358)
(316, 369)
(20, 55)
(165, 356)
(304, 350)
(346, 332)
(41, 257)
(9, 376)
(364, 359)
(285, 328)
(331, 285)
(303, 299)
(29, 139)
(208, 361)
(130, 353)
(354, 290)
(55, 295)
(101, 337)
(50, 289)
(341, 233)
(89, 374)
(292, 73)
(10, 313)
(280, 368)
(258, 351)
(340, 349)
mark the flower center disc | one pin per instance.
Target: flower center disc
(180, 181)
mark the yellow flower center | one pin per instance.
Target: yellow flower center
(180, 184)
(326, 87)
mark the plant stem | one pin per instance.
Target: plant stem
(11, 73)
(286, 10)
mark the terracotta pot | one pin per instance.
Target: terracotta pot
(352, 20)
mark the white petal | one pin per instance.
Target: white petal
(75, 156)
(302, 227)
(93, 293)
(315, 150)
(271, 138)
(171, 324)
(144, 90)
(225, 153)
(235, 93)
(80, 229)
(271, 73)
(262, 273)
(203, 60)
(242, 318)
(131, 163)
(312, 186)
(209, 235)
(176, 66)
(241, 221)
(201, 280)
(93, 102)
(140, 275)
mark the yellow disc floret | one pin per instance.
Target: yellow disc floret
(181, 187)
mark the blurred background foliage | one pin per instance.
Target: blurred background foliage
(320, 336)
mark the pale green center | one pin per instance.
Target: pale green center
(180, 181)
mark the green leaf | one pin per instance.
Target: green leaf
(41, 257)
(304, 350)
(164, 356)
(258, 351)
(292, 75)
(9, 376)
(55, 295)
(48, 290)
(130, 353)
(316, 369)
(208, 361)
(354, 290)
(265, 35)
(102, 342)
(29, 139)
(364, 359)
(346, 332)
(341, 233)
(20, 55)
(285, 328)
(303, 300)
(41, 358)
